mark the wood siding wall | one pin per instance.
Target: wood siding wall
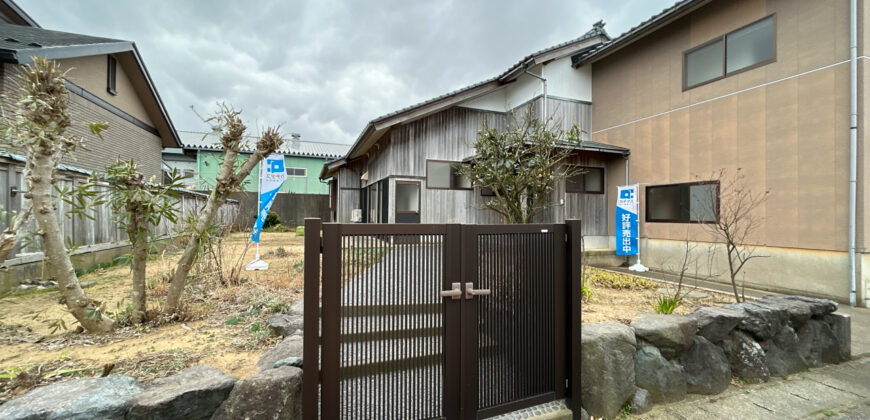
(103, 229)
(449, 135)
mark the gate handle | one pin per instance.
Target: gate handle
(471, 292)
(454, 293)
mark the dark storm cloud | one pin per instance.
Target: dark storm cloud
(325, 68)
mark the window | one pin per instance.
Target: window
(590, 181)
(188, 173)
(407, 197)
(297, 172)
(746, 48)
(445, 175)
(696, 202)
(111, 75)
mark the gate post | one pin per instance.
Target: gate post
(311, 320)
(575, 253)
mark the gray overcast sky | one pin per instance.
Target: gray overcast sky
(325, 68)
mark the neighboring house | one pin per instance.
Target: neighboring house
(108, 82)
(762, 86)
(183, 162)
(303, 160)
(756, 85)
(402, 167)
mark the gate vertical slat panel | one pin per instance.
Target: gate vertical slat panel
(311, 320)
(331, 361)
(452, 254)
(559, 293)
(574, 267)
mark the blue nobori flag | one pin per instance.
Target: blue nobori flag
(272, 175)
(626, 220)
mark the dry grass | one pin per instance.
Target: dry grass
(223, 325)
(618, 297)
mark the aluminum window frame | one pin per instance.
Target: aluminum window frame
(646, 203)
(724, 39)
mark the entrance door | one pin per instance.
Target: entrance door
(407, 202)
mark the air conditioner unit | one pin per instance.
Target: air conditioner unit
(356, 215)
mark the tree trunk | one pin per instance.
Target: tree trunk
(10, 236)
(215, 200)
(57, 259)
(139, 250)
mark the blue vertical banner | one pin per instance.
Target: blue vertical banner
(626, 219)
(272, 175)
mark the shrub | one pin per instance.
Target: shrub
(300, 230)
(666, 304)
(617, 280)
(272, 219)
(279, 228)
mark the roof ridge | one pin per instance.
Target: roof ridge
(250, 136)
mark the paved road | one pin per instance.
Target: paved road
(832, 392)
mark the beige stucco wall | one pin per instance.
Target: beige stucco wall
(90, 74)
(784, 124)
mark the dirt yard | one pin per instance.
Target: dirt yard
(223, 326)
(620, 297)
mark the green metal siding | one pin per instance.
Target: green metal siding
(208, 163)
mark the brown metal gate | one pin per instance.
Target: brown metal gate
(435, 321)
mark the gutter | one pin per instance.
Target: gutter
(853, 145)
(544, 83)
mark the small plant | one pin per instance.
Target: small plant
(279, 252)
(666, 304)
(272, 219)
(233, 320)
(278, 229)
(299, 266)
(300, 230)
(587, 291)
(617, 280)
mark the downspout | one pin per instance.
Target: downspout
(544, 83)
(853, 144)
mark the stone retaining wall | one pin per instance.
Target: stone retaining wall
(661, 358)
(200, 392)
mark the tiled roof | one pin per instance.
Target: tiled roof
(291, 146)
(18, 37)
(675, 10)
(596, 30)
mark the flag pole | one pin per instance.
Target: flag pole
(259, 197)
(638, 266)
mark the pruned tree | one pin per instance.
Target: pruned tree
(735, 205)
(9, 236)
(521, 165)
(138, 206)
(228, 181)
(38, 127)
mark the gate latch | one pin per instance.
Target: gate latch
(471, 292)
(454, 293)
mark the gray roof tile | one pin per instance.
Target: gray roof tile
(17, 37)
(291, 147)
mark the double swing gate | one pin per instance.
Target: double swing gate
(438, 321)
